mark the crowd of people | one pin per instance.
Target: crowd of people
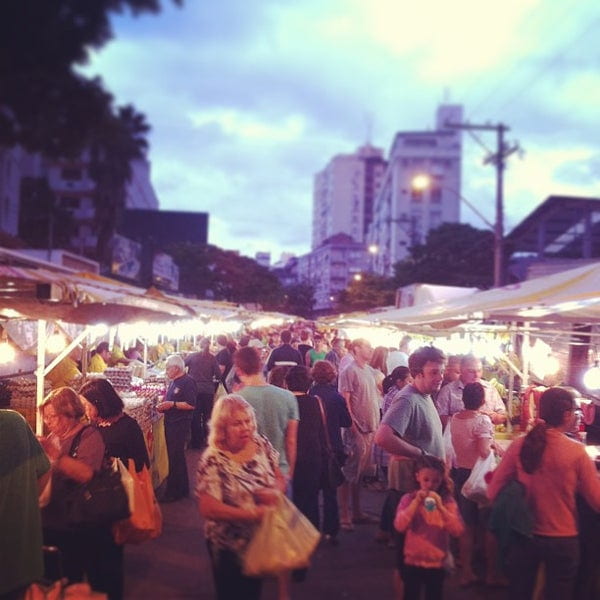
(267, 412)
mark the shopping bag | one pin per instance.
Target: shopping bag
(475, 487)
(448, 446)
(284, 540)
(99, 502)
(145, 521)
(220, 391)
(127, 481)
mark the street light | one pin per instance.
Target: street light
(422, 182)
(373, 250)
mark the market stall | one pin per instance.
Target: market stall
(529, 328)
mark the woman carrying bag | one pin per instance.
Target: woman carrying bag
(76, 452)
(123, 439)
(238, 479)
(553, 469)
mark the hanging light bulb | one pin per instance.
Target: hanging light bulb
(55, 343)
(7, 352)
(591, 378)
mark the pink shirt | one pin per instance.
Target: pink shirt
(467, 429)
(565, 471)
(427, 532)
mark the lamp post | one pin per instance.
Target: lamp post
(373, 250)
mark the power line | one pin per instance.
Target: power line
(555, 59)
(549, 26)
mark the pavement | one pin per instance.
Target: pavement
(176, 565)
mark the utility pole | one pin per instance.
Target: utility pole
(498, 159)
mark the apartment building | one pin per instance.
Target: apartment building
(402, 212)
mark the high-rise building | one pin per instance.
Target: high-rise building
(403, 214)
(344, 192)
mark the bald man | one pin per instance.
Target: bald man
(449, 399)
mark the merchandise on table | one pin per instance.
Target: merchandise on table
(22, 392)
(120, 377)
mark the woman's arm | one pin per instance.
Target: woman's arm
(505, 471)
(211, 508)
(484, 446)
(450, 514)
(73, 468)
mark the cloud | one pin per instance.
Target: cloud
(248, 101)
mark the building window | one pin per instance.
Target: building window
(416, 196)
(436, 195)
(69, 202)
(71, 173)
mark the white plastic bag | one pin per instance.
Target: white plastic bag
(475, 487)
(448, 447)
(127, 482)
(285, 540)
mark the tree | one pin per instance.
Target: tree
(370, 291)
(299, 299)
(45, 105)
(453, 254)
(210, 272)
(115, 144)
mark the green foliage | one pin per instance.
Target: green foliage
(453, 254)
(369, 292)
(120, 140)
(45, 105)
(210, 272)
(299, 299)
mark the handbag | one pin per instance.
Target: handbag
(475, 487)
(335, 476)
(99, 502)
(448, 446)
(145, 522)
(284, 540)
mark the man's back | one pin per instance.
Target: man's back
(204, 369)
(284, 354)
(274, 407)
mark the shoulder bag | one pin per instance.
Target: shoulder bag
(99, 502)
(334, 469)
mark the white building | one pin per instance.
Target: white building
(15, 164)
(344, 192)
(73, 189)
(402, 215)
(331, 267)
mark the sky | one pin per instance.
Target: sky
(248, 100)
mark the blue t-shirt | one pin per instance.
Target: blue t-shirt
(414, 418)
(274, 407)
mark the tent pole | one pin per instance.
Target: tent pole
(525, 354)
(145, 358)
(39, 373)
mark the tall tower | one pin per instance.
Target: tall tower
(344, 192)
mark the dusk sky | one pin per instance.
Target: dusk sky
(248, 100)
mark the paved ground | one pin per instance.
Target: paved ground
(176, 566)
